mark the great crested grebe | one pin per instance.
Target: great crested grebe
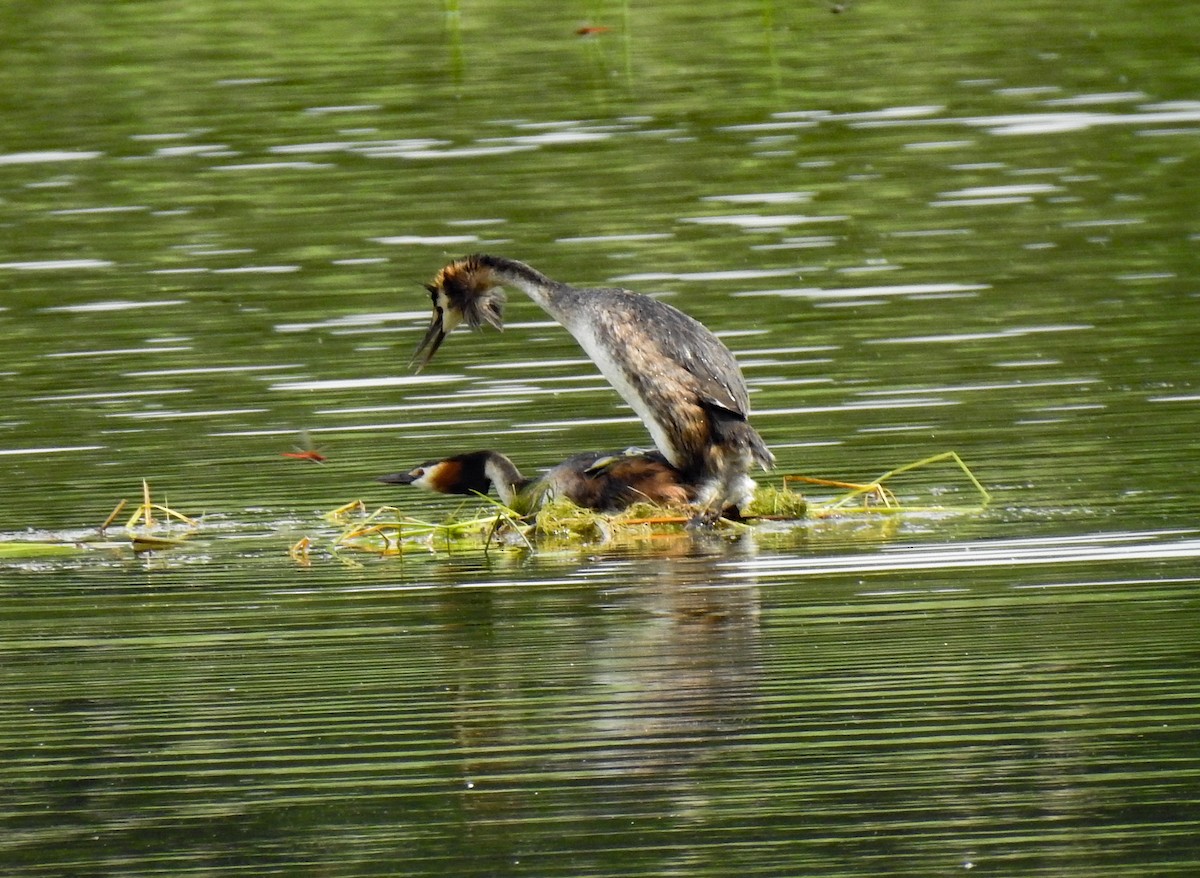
(680, 378)
(608, 482)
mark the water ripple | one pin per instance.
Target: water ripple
(1140, 546)
(116, 305)
(955, 337)
(761, 221)
(56, 264)
(860, 292)
(49, 155)
(358, 383)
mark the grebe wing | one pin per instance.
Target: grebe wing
(689, 344)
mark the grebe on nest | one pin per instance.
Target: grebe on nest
(680, 378)
(608, 482)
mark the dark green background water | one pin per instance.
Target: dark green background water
(958, 226)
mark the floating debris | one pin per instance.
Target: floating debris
(299, 550)
(875, 497)
(153, 533)
(112, 516)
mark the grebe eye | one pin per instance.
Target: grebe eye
(417, 473)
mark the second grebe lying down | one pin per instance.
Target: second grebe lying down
(608, 482)
(681, 380)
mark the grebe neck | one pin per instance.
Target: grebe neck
(503, 473)
(530, 281)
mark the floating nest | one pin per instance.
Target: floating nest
(558, 524)
(390, 531)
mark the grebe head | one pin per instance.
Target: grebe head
(461, 474)
(465, 291)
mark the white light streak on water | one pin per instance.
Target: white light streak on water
(357, 383)
(763, 198)
(258, 269)
(529, 364)
(358, 428)
(980, 336)
(598, 239)
(205, 149)
(178, 416)
(917, 402)
(860, 292)
(273, 166)
(759, 221)
(1049, 122)
(575, 422)
(980, 202)
(117, 352)
(113, 395)
(343, 108)
(733, 274)
(112, 306)
(998, 553)
(210, 370)
(415, 406)
(889, 113)
(552, 138)
(465, 152)
(73, 211)
(930, 145)
(49, 155)
(1091, 99)
(1013, 189)
(429, 240)
(972, 388)
(50, 450)
(353, 320)
(56, 264)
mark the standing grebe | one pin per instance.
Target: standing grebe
(680, 378)
(608, 482)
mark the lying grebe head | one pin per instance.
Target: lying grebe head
(461, 474)
(472, 473)
(465, 291)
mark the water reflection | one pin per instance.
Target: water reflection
(628, 723)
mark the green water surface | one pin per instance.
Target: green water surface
(921, 227)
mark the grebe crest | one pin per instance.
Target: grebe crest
(465, 291)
